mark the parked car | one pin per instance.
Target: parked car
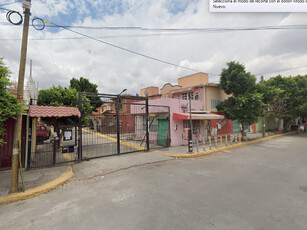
(42, 133)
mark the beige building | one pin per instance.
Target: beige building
(192, 80)
(167, 88)
(214, 95)
(209, 94)
(149, 91)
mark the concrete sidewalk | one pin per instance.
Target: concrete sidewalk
(43, 180)
(183, 149)
(37, 181)
(99, 167)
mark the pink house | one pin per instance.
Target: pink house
(204, 99)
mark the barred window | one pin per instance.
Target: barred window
(215, 103)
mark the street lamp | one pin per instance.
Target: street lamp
(124, 90)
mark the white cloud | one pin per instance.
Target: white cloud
(57, 61)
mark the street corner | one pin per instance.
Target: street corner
(36, 191)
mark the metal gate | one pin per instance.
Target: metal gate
(115, 124)
(59, 147)
(53, 135)
(120, 125)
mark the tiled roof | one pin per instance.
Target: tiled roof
(53, 111)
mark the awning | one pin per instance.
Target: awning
(53, 111)
(204, 116)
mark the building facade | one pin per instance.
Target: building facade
(192, 102)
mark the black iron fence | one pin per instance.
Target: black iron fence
(121, 124)
(109, 125)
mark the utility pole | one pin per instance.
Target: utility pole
(263, 118)
(190, 133)
(26, 4)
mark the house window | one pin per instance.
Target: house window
(184, 96)
(192, 95)
(196, 96)
(215, 103)
(186, 124)
(195, 125)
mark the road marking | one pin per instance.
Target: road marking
(114, 139)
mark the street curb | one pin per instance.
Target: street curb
(38, 190)
(191, 155)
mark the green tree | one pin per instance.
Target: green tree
(84, 85)
(300, 96)
(59, 96)
(246, 102)
(8, 103)
(289, 100)
(236, 81)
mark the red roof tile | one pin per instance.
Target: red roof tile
(53, 111)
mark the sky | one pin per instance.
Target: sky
(59, 54)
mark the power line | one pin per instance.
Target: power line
(284, 27)
(200, 29)
(282, 70)
(5, 4)
(103, 37)
(125, 49)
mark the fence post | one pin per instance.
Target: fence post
(147, 125)
(29, 144)
(80, 128)
(117, 124)
(221, 141)
(54, 150)
(240, 137)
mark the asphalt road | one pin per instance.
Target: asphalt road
(262, 186)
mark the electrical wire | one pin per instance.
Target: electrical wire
(201, 29)
(284, 27)
(12, 12)
(282, 70)
(41, 24)
(9, 3)
(122, 48)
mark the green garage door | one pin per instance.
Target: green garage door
(162, 131)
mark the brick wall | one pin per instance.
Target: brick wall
(226, 129)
